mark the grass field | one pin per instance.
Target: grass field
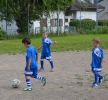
(64, 43)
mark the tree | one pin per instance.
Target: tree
(23, 10)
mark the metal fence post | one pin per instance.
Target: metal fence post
(58, 21)
(96, 14)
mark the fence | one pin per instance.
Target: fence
(55, 29)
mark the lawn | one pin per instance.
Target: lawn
(64, 43)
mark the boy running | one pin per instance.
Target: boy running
(46, 52)
(97, 62)
(31, 69)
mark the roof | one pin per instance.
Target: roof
(80, 5)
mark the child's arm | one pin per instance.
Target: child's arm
(54, 42)
(40, 47)
(29, 62)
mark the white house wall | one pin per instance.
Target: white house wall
(52, 16)
(86, 15)
(36, 24)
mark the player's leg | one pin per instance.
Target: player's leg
(27, 77)
(95, 79)
(42, 62)
(48, 57)
(101, 78)
(36, 76)
(52, 65)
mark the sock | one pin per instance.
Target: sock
(99, 75)
(42, 63)
(28, 83)
(96, 78)
(38, 77)
(51, 63)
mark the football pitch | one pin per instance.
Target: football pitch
(71, 79)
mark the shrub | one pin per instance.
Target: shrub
(75, 23)
(88, 24)
(2, 34)
(85, 24)
(103, 22)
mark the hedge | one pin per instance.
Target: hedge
(103, 22)
(2, 34)
(87, 24)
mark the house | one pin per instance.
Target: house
(104, 13)
(81, 9)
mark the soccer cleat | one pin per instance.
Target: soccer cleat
(101, 79)
(52, 69)
(41, 69)
(94, 84)
(43, 81)
(28, 89)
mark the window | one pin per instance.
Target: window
(66, 20)
(43, 22)
(53, 22)
(71, 19)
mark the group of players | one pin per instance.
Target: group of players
(31, 69)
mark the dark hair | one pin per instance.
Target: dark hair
(26, 40)
(96, 40)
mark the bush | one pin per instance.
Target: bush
(85, 24)
(2, 34)
(103, 22)
(75, 23)
(88, 24)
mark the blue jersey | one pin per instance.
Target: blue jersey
(97, 56)
(31, 52)
(46, 45)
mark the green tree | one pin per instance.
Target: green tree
(17, 10)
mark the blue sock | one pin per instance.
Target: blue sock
(51, 63)
(96, 78)
(99, 75)
(42, 63)
(38, 77)
(28, 83)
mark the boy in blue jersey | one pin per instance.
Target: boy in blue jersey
(97, 62)
(31, 69)
(46, 52)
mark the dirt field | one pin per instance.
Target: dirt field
(71, 79)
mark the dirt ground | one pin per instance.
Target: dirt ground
(71, 79)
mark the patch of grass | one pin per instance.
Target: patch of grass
(87, 70)
(80, 83)
(104, 87)
(78, 77)
(61, 86)
(75, 91)
(64, 43)
(105, 78)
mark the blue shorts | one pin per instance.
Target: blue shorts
(46, 56)
(33, 72)
(96, 69)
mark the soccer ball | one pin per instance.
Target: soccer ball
(15, 83)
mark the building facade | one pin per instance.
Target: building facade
(61, 21)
